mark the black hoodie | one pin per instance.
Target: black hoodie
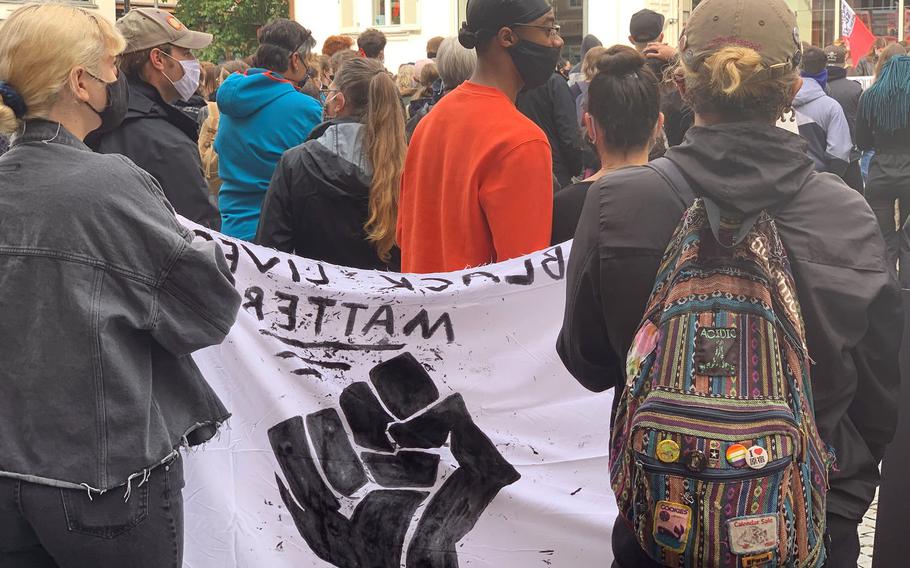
(851, 305)
(318, 200)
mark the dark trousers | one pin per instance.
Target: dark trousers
(843, 545)
(48, 527)
(889, 184)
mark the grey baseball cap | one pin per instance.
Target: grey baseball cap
(767, 26)
(145, 28)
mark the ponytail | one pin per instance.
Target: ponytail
(386, 145)
(732, 66)
(372, 97)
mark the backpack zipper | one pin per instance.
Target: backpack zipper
(677, 407)
(651, 465)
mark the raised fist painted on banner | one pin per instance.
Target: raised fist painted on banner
(373, 537)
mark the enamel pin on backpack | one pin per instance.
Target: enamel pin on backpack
(715, 458)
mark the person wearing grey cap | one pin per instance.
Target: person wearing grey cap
(161, 69)
(738, 71)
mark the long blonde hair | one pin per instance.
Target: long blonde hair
(373, 98)
(40, 45)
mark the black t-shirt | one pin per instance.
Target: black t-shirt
(567, 206)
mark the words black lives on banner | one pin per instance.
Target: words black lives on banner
(363, 319)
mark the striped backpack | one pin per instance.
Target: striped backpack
(715, 458)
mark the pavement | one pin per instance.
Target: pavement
(867, 536)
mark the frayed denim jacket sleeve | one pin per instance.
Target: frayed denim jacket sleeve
(194, 303)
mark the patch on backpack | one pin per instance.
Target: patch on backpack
(752, 535)
(716, 351)
(644, 344)
(672, 522)
(758, 560)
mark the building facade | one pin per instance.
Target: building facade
(410, 23)
(104, 7)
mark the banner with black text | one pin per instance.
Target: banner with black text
(385, 420)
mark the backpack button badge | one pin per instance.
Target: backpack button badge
(696, 461)
(668, 451)
(758, 457)
(737, 454)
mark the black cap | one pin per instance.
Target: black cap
(646, 25)
(486, 17)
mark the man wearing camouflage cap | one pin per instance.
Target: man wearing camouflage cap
(161, 68)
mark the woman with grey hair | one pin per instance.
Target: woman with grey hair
(455, 65)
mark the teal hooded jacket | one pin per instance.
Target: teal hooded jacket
(262, 116)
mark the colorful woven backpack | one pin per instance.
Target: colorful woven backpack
(715, 458)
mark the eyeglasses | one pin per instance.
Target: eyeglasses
(552, 31)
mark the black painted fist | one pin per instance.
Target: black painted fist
(374, 535)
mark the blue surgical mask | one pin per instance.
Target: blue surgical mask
(189, 83)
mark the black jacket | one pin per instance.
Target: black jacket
(318, 200)
(552, 108)
(883, 142)
(851, 304)
(162, 140)
(847, 93)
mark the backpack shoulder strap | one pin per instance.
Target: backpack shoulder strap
(674, 177)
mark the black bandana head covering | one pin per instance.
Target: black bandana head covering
(487, 17)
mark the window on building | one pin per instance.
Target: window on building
(571, 16)
(881, 16)
(394, 13)
(823, 32)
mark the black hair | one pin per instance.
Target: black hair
(278, 41)
(624, 98)
(372, 43)
(814, 60)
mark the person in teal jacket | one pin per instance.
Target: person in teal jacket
(262, 115)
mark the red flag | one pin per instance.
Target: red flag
(858, 36)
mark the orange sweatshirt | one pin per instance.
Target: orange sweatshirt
(477, 186)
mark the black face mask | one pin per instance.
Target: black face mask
(535, 62)
(118, 97)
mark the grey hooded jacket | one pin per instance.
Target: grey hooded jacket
(104, 297)
(824, 125)
(319, 200)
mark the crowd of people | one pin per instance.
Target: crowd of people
(490, 147)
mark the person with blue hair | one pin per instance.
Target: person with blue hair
(883, 125)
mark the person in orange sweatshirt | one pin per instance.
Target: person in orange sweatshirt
(477, 186)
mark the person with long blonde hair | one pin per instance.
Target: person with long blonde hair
(105, 296)
(738, 71)
(335, 197)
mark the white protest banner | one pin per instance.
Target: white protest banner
(384, 420)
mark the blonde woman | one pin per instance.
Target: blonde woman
(739, 73)
(104, 296)
(335, 198)
(407, 82)
(209, 129)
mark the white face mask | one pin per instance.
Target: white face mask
(189, 83)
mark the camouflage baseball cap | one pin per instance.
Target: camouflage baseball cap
(767, 26)
(145, 28)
